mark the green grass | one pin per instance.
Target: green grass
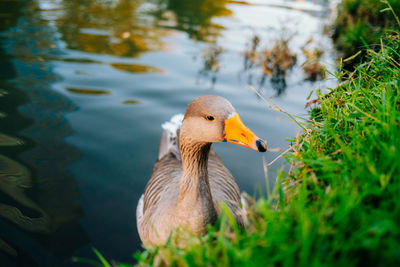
(340, 204)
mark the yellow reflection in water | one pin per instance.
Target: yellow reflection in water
(194, 17)
(238, 2)
(85, 91)
(135, 68)
(131, 102)
(108, 27)
(129, 28)
(6, 140)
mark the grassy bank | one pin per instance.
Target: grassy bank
(340, 204)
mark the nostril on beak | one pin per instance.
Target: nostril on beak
(261, 145)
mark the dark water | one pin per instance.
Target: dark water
(84, 88)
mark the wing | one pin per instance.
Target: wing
(139, 211)
(161, 191)
(166, 174)
(224, 188)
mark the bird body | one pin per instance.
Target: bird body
(189, 180)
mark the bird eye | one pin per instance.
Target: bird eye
(210, 118)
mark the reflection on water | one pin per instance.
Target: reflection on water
(84, 87)
(193, 17)
(79, 60)
(39, 203)
(211, 63)
(136, 68)
(6, 140)
(131, 102)
(14, 180)
(106, 27)
(87, 91)
(275, 61)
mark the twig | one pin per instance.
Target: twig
(275, 107)
(275, 159)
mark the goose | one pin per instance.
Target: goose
(189, 180)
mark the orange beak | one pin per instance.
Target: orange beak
(236, 132)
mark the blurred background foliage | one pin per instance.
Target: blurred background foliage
(360, 23)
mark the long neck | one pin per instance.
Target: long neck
(194, 159)
(194, 187)
(194, 167)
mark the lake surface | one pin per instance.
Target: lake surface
(85, 86)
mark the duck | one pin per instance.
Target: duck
(189, 180)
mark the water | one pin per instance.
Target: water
(85, 86)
